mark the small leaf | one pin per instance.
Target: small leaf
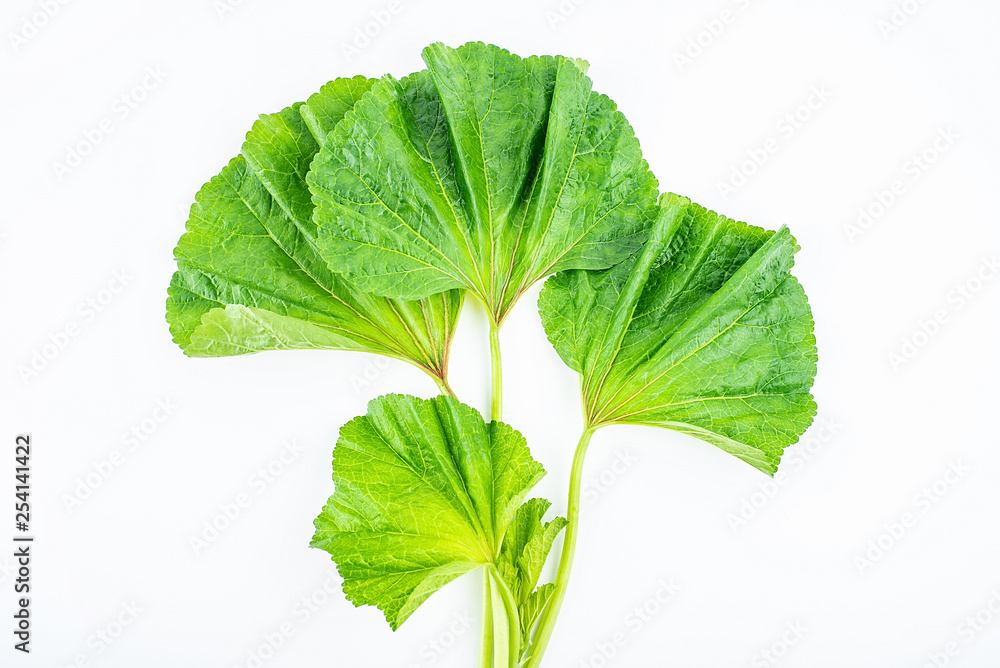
(705, 332)
(486, 172)
(249, 276)
(425, 490)
(523, 555)
(532, 609)
(526, 547)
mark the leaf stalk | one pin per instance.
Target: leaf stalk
(547, 622)
(496, 394)
(486, 648)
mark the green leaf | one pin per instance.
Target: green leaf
(524, 552)
(531, 609)
(527, 546)
(249, 275)
(424, 492)
(486, 172)
(705, 332)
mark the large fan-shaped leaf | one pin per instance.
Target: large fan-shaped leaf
(249, 275)
(424, 492)
(705, 331)
(486, 172)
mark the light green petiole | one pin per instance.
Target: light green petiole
(547, 622)
(501, 645)
(496, 395)
(486, 649)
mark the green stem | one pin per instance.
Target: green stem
(443, 386)
(498, 602)
(547, 622)
(496, 401)
(486, 650)
(507, 654)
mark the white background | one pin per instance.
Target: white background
(892, 432)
